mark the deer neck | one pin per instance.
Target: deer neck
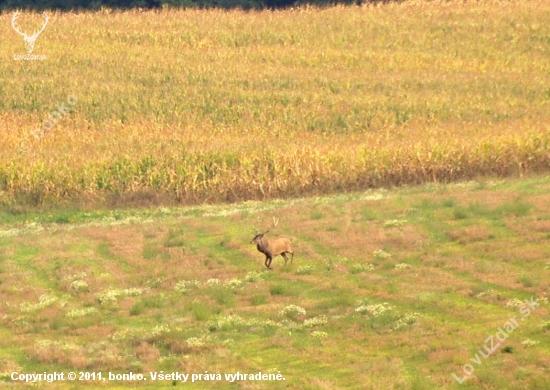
(262, 245)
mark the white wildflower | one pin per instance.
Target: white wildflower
(395, 223)
(291, 310)
(375, 309)
(81, 312)
(380, 254)
(402, 266)
(315, 321)
(530, 343)
(319, 335)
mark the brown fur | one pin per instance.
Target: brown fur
(272, 248)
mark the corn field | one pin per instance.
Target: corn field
(190, 106)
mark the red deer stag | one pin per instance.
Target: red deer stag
(273, 247)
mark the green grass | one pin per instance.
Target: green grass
(277, 289)
(224, 297)
(257, 300)
(201, 311)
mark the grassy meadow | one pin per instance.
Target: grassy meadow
(388, 290)
(191, 106)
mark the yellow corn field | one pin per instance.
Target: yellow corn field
(208, 106)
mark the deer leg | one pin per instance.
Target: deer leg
(268, 262)
(285, 256)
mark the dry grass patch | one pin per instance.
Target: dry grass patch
(147, 353)
(471, 234)
(405, 239)
(70, 355)
(442, 356)
(540, 201)
(125, 242)
(485, 199)
(525, 254)
(540, 226)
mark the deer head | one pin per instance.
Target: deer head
(258, 236)
(29, 40)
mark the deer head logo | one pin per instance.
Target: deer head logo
(29, 40)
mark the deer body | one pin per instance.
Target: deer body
(272, 248)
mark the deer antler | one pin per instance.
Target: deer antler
(275, 222)
(257, 231)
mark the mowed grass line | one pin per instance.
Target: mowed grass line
(188, 106)
(388, 303)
